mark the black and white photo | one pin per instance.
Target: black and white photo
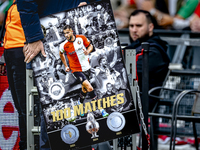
(83, 76)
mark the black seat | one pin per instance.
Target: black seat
(175, 103)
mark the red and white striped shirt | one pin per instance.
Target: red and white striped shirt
(78, 61)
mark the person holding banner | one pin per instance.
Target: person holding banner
(77, 48)
(22, 24)
(30, 13)
(13, 42)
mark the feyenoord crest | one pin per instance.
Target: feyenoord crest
(79, 42)
(70, 134)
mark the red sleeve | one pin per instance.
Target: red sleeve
(86, 42)
(197, 10)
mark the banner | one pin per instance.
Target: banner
(82, 83)
(9, 128)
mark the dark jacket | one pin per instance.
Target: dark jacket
(158, 60)
(32, 10)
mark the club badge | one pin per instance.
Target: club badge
(109, 41)
(79, 42)
(56, 90)
(70, 134)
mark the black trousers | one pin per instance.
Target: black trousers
(16, 73)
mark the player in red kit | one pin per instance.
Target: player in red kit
(78, 48)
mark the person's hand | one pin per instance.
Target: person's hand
(121, 18)
(195, 25)
(85, 52)
(32, 49)
(164, 19)
(2, 70)
(82, 3)
(147, 5)
(67, 69)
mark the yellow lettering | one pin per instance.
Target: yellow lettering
(112, 99)
(95, 139)
(67, 113)
(99, 104)
(120, 98)
(87, 107)
(118, 133)
(106, 102)
(78, 109)
(94, 105)
(54, 116)
(59, 114)
(73, 145)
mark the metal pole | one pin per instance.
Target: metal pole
(145, 88)
(115, 144)
(130, 55)
(29, 110)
